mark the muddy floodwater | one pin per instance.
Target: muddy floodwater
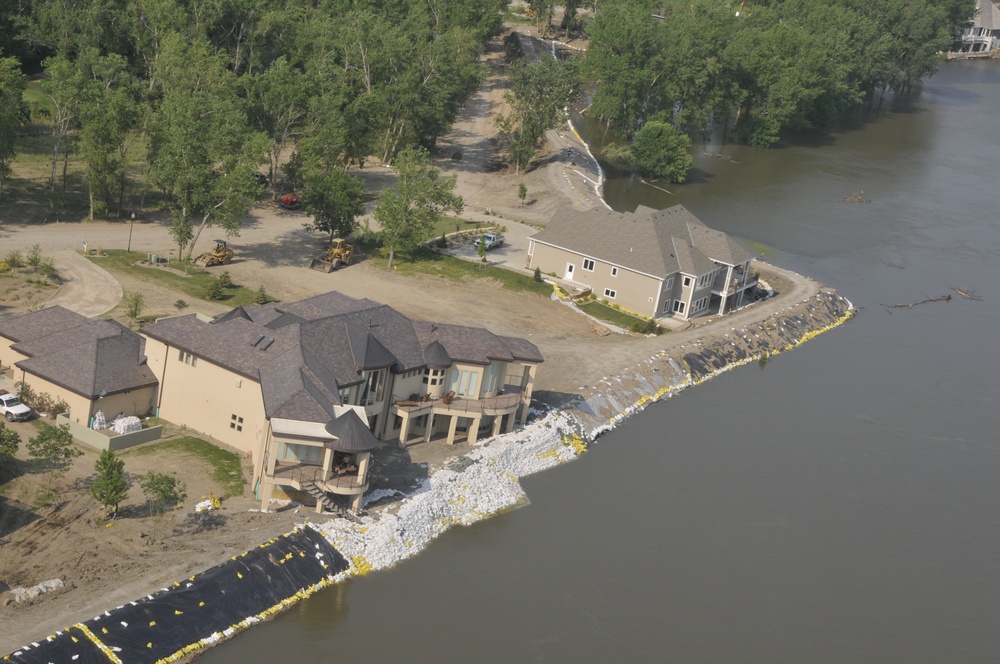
(840, 503)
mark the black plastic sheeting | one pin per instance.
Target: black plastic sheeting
(201, 610)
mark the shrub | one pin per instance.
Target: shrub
(537, 277)
(225, 280)
(14, 259)
(442, 242)
(261, 296)
(34, 257)
(4, 267)
(644, 327)
(215, 290)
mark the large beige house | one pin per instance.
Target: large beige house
(656, 263)
(89, 364)
(278, 381)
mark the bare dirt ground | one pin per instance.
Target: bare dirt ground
(103, 566)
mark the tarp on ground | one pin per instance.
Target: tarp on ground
(200, 610)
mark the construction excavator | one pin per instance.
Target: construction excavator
(221, 255)
(340, 252)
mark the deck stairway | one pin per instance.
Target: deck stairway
(321, 498)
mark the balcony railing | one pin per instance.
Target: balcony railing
(510, 398)
(735, 284)
(297, 472)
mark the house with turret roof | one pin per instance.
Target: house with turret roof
(276, 382)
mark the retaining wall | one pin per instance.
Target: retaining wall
(100, 441)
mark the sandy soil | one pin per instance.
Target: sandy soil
(105, 566)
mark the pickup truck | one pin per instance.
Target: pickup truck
(12, 408)
(492, 240)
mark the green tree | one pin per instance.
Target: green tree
(135, 304)
(407, 214)
(261, 296)
(538, 99)
(202, 154)
(52, 449)
(334, 199)
(522, 192)
(226, 279)
(215, 290)
(10, 440)
(279, 103)
(481, 251)
(181, 230)
(662, 152)
(109, 115)
(162, 491)
(110, 488)
(12, 110)
(65, 88)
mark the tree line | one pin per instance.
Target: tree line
(202, 93)
(766, 66)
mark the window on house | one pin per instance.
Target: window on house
(614, 272)
(687, 281)
(700, 304)
(610, 293)
(433, 377)
(374, 386)
(491, 381)
(678, 307)
(666, 307)
(187, 358)
(463, 382)
(669, 284)
(588, 265)
(345, 395)
(236, 422)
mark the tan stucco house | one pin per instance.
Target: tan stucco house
(276, 382)
(90, 364)
(656, 263)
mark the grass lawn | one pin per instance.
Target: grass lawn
(428, 261)
(603, 312)
(196, 284)
(226, 467)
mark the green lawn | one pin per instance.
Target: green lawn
(446, 225)
(603, 312)
(428, 261)
(196, 284)
(226, 467)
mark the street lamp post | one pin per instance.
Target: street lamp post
(130, 227)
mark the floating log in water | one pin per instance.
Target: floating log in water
(856, 198)
(943, 298)
(968, 294)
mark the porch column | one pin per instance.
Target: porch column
(430, 427)
(364, 458)
(404, 430)
(356, 503)
(725, 290)
(497, 423)
(327, 463)
(474, 429)
(266, 491)
(452, 428)
(512, 418)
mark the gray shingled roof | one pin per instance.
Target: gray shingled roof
(658, 243)
(40, 323)
(99, 357)
(352, 434)
(436, 356)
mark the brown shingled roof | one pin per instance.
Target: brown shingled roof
(98, 358)
(40, 323)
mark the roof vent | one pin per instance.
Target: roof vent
(267, 344)
(256, 340)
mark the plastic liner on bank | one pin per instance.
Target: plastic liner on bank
(198, 611)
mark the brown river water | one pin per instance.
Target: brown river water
(840, 503)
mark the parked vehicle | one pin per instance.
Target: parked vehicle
(12, 408)
(290, 202)
(492, 240)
